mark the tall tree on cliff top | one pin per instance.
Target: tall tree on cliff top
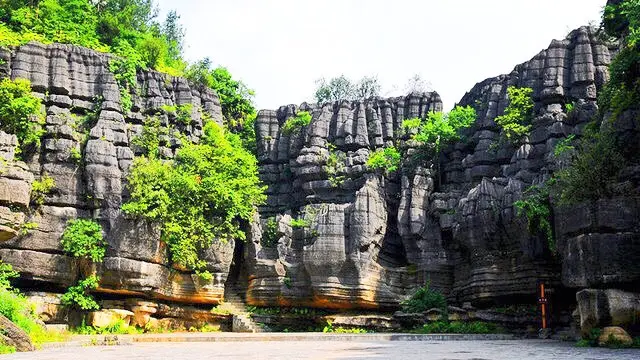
(342, 88)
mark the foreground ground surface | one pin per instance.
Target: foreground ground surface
(441, 350)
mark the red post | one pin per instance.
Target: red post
(542, 300)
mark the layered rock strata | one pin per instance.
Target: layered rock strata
(368, 239)
(77, 87)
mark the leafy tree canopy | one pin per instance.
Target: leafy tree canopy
(201, 195)
(342, 88)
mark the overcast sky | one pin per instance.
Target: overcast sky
(280, 47)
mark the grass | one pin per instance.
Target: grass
(21, 312)
(459, 327)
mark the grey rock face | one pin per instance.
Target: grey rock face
(75, 82)
(12, 335)
(452, 223)
(600, 308)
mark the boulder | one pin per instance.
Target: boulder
(108, 317)
(614, 335)
(599, 308)
(48, 306)
(12, 335)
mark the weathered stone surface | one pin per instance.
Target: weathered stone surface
(600, 242)
(369, 240)
(599, 308)
(12, 335)
(373, 239)
(48, 307)
(614, 334)
(73, 82)
(108, 317)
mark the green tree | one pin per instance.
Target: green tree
(200, 196)
(516, 120)
(20, 112)
(342, 88)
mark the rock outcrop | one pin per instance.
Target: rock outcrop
(76, 86)
(333, 233)
(12, 335)
(370, 239)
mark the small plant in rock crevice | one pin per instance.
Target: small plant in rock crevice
(82, 238)
(516, 120)
(41, 188)
(295, 123)
(536, 206)
(335, 166)
(79, 295)
(271, 233)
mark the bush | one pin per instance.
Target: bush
(458, 327)
(6, 274)
(41, 188)
(387, 159)
(78, 296)
(592, 169)
(516, 120)
(294, 124)
(21, 112)
(17, 308)
(150, 138)
(270, 235)
(198, 197)
(82, 238)
(424, 299)
(299, 223)
(536, 206)
(440, 128)
(119, 327)
(6, 349)
(340, 330)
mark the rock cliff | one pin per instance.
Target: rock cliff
(332, 233)
(76, 86)
(370, 239)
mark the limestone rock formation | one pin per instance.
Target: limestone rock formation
(76, 85)
(370, 240)
(333, 233)
(12, 335)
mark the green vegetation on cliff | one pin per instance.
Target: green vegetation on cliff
(82, 238)
(200, 196)
(605, 150)
(130, 29)
(386, 159)
(515, 122)
(295, 123)
(440, 128)
(20, 112)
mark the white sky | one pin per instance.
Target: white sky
(280, 47)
